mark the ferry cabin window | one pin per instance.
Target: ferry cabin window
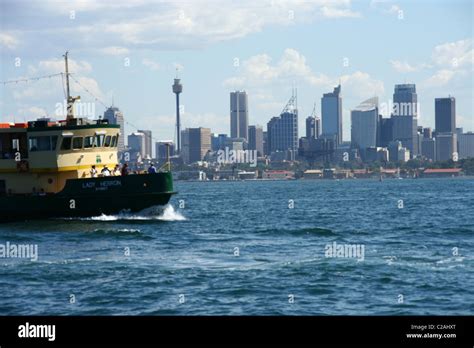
(88, 142)
(114, 141)
(99, 140)
(11, 144)
(77, 143)
(41, 143)
(66, 144)
(54, 141)
(108, 139)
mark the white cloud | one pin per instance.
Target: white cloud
(91, 85)
(455, 55)
(394, 9)
(115, 51)
(57, 65)
(361, 85)
(44, 94)
(32, 112)
(452, 60)
(151, 64)
(258, 70)
(441, 78)
(8, 41)
(405, 67)
(167, 24)
(334, 12)
(402, 67)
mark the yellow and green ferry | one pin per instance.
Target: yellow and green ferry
(45, 170)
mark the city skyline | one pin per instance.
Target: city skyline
(439, 62)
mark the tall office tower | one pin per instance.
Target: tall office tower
(313, 125)
(428, 148)
(196, 144)
(331, 113)
(148, 142)
(114, 116)
(446, 146)
(365, 124)
(393, 149)
(177, 89)
(466, 145)
(427, 133)
(317, 127)
(265, 143)
(445, 115)
(214, 142)
(136, 143)
(256, 139)
(405, 117)
(161, 149)
(310, 127)
(386, 131)
(282, 131)
(239, 115)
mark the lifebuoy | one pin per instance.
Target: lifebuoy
(22, 166)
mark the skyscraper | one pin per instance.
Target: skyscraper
(161, 149)
(428, 148)
(148, 142)
(386, 131)
(466, 145)
(239, 115)
(405, 117)
(365, 125)
(331, 113)
(446, 146)
(282, 132)
(196, 144)
(256, 139)
(310, 128)
(114, 116)
(445, 115)
(136, 143)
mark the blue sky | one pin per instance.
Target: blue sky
(263, 47)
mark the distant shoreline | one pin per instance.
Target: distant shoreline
(464, 177)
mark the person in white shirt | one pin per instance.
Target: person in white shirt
(116, 171)
(105, 171)
(93, 172)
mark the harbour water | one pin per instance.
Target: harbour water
(256, 248)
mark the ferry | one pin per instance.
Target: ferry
(46, 170)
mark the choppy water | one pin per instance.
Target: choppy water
(183, 261)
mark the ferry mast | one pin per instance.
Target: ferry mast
(70, 100)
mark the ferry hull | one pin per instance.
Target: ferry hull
(92, 197)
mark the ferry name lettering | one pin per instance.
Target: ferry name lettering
(88, 185)
(111, 183)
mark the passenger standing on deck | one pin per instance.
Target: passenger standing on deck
(116, 171)
(93, 172)
(125, 169)
(152, 169)
(105, 171)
